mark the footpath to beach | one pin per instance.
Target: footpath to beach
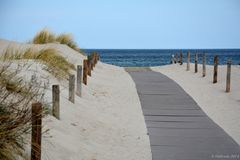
(177, 127)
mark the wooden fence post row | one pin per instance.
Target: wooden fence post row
(228, 81)
(56, 101)
(71, 97)
(93, 58)
(87, 64)
(36, 131)
(215, 71)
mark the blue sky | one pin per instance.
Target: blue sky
(150, 24)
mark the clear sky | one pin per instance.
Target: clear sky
(150, 24)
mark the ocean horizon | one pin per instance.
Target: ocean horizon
(159, 57)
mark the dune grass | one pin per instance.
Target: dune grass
(55, 63)
(15, 112)
(45, 36)
(67, 39)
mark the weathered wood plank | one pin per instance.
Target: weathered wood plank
(36, 131)
(204, 65)
(215, 71)
(196, 62)
(85, 71)
(228, 79)
(79, 81)
(71, 96)
(56, 101)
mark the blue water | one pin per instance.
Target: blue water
(157, 57)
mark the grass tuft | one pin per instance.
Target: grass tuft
(43, 37)
(57, 65)
(67, 39)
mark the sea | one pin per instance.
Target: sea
(159, 57)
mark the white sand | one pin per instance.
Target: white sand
(223, 108)
(105, 124)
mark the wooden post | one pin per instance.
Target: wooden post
(204, 65)
(36, 131)
(181, 58)
(79, 80)
(56, 101)
(196, 62)
(228, 76)
(188, 61)
(85, 71)
(215, 69)
(89, 65)
(71, 97)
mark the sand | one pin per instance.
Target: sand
(106, 123)
(223, 108)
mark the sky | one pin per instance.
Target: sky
(127, 24)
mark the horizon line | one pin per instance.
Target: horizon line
(160, 48)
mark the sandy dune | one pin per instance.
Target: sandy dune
(105, 124)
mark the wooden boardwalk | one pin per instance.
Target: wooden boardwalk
(178, 128)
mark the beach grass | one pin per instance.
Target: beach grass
(67, 39)
(15, 112)
(55, 63)
(45, 36)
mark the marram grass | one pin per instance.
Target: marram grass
(45, 36)
(15, 112)
(67, 39)
(55, 63)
